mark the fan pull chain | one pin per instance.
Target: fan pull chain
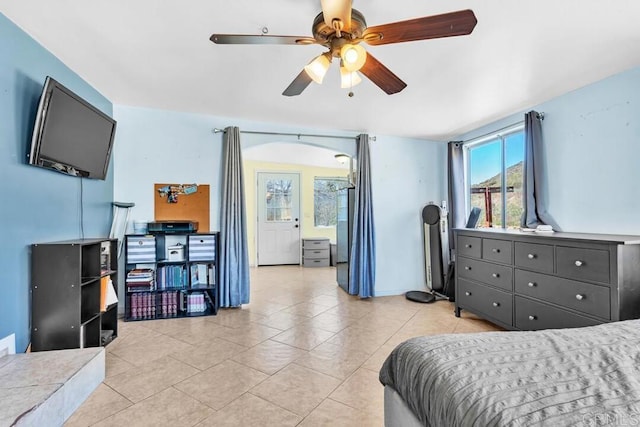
(350, 94)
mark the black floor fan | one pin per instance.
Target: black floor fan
(437, 267)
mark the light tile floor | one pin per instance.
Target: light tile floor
(303, 352)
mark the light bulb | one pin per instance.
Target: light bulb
(353, 56)
(348, 78)
(317, 68)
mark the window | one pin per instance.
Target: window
(278, 200)
(495, 178)
(325, 200)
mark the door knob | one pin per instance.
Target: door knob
(296, 226)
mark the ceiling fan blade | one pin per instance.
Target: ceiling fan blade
(259, 39)
(430, 27)
(337, 9)
(382, 76)
(298, 84)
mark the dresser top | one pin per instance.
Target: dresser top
(560, 235)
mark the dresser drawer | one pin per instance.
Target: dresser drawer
(141, 249)
(310, 262)
(497, 250)
(584, 297)
(534, 256)
(532, 315)
(469, 246)
(315, 243)
(584, 264)
(486, 272)
(202, 247)
(315, 253)
(490, 301)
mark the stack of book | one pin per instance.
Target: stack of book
(196, 303)
(172, 277)
(168, 304)
(142, 306)
(140, 280)
(202, 275)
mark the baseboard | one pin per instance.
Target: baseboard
(8, 345)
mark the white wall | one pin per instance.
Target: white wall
(591, 155)
(154, 146)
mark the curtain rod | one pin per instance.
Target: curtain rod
(216, 130)
(540, 116)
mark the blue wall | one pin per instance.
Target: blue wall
(36, 205)
(591, 155)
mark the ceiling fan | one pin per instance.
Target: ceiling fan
(341, 29)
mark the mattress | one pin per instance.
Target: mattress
(583, 376)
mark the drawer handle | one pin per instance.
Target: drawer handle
(531, 256)
(496, 304)
(466, 267)
(495, 250)
(495, 275)
(532, 317)
(531, 285)
(468, 294)
(467, 245)
(579, 263)
(579, 297)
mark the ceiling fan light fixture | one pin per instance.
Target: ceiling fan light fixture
(349, 79)
(317, 68)
(353, 56)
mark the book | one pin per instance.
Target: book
(111, 296)
(104, 283)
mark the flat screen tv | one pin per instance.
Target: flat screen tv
(70, 135)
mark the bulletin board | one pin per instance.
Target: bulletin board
(189, 204)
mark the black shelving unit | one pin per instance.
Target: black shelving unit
(171, 275)
(67, 280)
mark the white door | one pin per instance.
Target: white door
(278, 218)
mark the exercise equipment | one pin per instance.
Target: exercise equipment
(436, 256)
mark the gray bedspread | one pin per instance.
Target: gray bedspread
(584, 376)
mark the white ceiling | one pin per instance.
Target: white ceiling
(157, 53)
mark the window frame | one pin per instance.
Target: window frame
(499, 135)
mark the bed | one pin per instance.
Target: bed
(584, 376)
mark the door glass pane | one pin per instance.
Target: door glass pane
(514, 173)
(278, 200)
(485, 167)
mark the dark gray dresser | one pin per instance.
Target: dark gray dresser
(526, 281)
